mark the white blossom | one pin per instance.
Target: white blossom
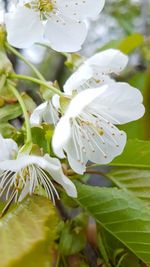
(61, 23)
(96, 71)
(96, 103)
(22, 174)
(46, 112)
(87, 130)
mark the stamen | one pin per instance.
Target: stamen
(48, 181)
(28, 179)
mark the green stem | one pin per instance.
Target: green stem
(64, 261)
(103, 250)
(121, 259)
(2, 81)
(19, 55)
(58, 261)
(34, 80)
(25, 113)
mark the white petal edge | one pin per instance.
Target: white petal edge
(83, 99)
(65, 35)
(108, 61)
(59, 176)
(37, 115)
(81, 10)
(24, 27)
(8, 147)
(120, 103)
(78, 79)
(61, 136)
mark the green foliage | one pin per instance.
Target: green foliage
(6, 129)
(117, 254)
(30, 104)
(130, 43)
(127, 45)
(136, 154)
(136, 181)
(121, 214)
(27, 234)
(10, 112)
(42, 136)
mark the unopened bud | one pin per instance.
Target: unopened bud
(5, 64)
(2, 35)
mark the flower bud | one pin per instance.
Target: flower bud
(5, 64)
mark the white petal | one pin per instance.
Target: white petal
(80, 9)
(102, 148)
(21, 162)
(36, 117)
(44, 113)
(65, 35)
(62, 141)
(83, 99)
(8, 148)
(61, 136)
(119, 103)
(59, 176)
(56, 101)
(78, 79)
(108, 61)
(74, 162)
(23, 27)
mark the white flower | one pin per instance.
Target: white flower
(93, 73)
(60, 22)
(87, 131)
(46, 112)
(28, 173)
(96, 71)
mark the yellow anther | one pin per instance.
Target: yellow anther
(46, 6)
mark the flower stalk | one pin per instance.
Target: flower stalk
(20, 56)
(37, 81)
(25, 113)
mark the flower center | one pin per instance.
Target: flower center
(46, 5)
(27, 180)
(42, 6)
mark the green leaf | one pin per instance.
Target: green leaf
(131, 42)
(122, 215)
(117, 252)
(10, 112)
(27, 233)
(139, 128)
(42, 136)
(127, 45)
(7, 129)
(146, 117)
(29, 103)
(136, 154)
(136, 181)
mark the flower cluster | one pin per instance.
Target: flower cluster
(96, 104)
(85, 115)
